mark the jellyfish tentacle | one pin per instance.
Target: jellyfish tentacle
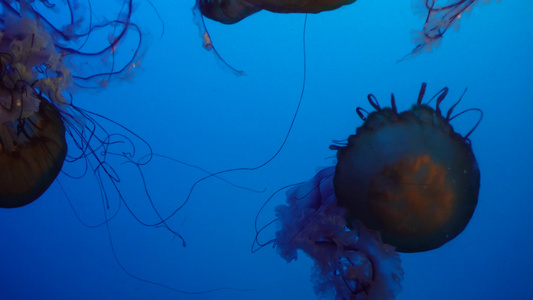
(361, 113)
(450, 110)
(393, 104)
(466, 136)
(374, 102)
(421, 93)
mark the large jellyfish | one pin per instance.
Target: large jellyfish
(404, 182)
(40, 65)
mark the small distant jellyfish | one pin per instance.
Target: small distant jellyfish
(404, 182)
(439, 17)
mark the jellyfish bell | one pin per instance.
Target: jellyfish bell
(32, 151)
(226, 12)
(409, 175)
(299, 6)
(32, 133)
(233, 11)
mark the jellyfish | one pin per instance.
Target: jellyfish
(44, 132)
(32, 152)
(349, 263)
(32, 134)
(40, 66)
(405, 182)
(233, 11)
(439, 17)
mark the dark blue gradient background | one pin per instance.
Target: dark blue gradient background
(188, 106)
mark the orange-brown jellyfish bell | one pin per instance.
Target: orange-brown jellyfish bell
(233, 11)
(404, 182)
(32, 151)
(409, 175)
(32, 132)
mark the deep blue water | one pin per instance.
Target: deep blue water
(187, 105)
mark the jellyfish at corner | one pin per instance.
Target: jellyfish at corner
(405, 182)
(32, 133)
(41, 65)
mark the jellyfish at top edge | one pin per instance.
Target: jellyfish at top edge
(233, 11)
(36, 78)
(439, 17)
(404, 182)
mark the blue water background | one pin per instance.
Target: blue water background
(187, 105)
